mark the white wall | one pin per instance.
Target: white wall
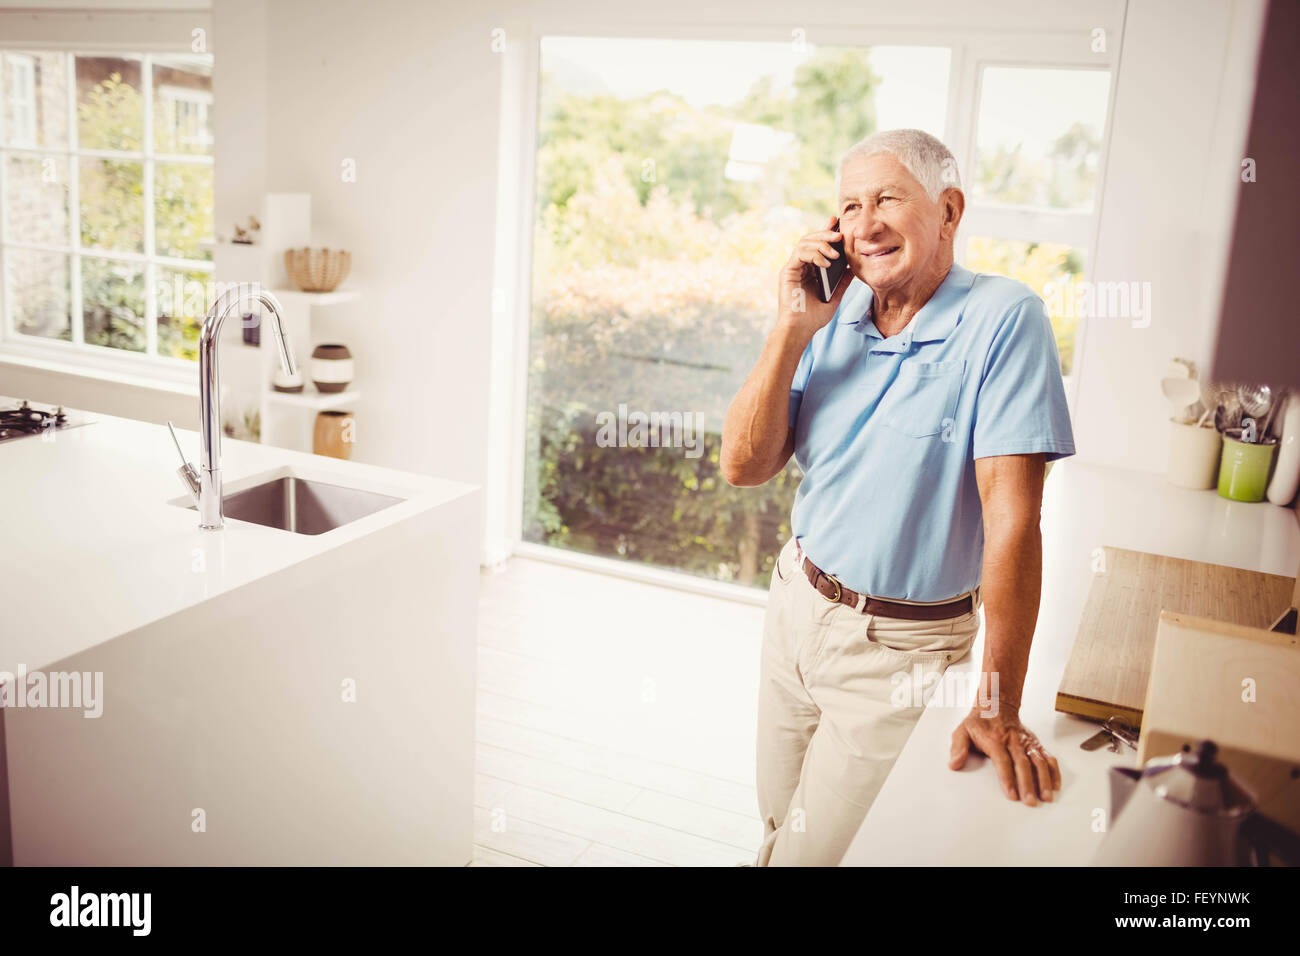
(407, 92)
(1162, 175)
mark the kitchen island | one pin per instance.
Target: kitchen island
(265, 696)
(928, 815)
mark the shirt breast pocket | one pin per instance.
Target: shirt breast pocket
(923, 399)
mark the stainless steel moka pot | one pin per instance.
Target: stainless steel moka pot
(1186, 810)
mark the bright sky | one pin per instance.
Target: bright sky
(913, 92)
(1035, 106)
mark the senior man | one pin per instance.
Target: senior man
(922, 404)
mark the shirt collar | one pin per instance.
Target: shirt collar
(932, 323)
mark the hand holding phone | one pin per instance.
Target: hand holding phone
(807, 297)
(829, 276)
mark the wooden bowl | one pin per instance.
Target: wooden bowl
(317, 270)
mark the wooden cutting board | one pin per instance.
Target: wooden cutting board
(1110, 664)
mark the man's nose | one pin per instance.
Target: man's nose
(863, 228)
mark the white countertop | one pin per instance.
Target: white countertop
(927, 814)
(93, 546)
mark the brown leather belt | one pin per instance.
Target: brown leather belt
(836, 593)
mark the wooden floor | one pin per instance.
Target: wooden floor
(615, 722)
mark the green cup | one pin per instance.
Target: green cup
(1243, 469)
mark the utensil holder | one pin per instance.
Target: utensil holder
(1244, 468)
(1193, 456)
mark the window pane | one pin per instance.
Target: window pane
(36, 199)
(37, 291)
(181, 300)
(1038, 140)
(112, 300)
(112, 204)
(673, 179)
(110, 109)
(182, 103)
(1043, 266)
(36, 99)
(183, 210)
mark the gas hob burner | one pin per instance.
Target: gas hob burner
(25, 419)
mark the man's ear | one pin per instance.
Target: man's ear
(953, 203)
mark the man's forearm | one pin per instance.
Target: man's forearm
(1013, 575)
(754, 432)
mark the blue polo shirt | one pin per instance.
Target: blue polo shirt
(887, 431)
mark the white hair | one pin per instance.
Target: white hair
(924, 156)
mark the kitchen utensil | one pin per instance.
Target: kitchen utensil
(1256, 400)
(1279, 399)
(1228, 413)
(1211, 395)
(1187, 810)
(1244, 466)
(317, 270)
(1101, 738)
(1181, 393)
(1113, 733)
(1286, 476)
(1194, 454)
(1122, 733)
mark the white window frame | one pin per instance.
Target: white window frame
(175, 96)
(25, 65)
(972, 50)
(1077, 228)
(78, 352)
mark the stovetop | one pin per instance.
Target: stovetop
(25, 418)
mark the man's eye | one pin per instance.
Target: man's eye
(850, 207)
(884, 199)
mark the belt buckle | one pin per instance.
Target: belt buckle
(839, 591)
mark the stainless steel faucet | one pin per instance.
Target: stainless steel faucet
(205, 486)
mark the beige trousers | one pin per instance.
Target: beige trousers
(840, 694)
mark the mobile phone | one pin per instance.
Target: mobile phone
(829, 276)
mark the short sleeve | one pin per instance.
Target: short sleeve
(1020, 407)
(800, 382)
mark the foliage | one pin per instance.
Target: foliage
(110, 116)
(113, 304)
(1064, 179)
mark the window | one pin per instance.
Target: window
(106, 191)
(1034, 192)
(184, 126)
(672, 177)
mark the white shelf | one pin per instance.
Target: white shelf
(317, 401)
(321, 298)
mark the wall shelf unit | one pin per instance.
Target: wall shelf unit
(287, 418)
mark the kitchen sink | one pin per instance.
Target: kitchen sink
(303, 506)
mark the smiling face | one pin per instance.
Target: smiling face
(895, 235)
